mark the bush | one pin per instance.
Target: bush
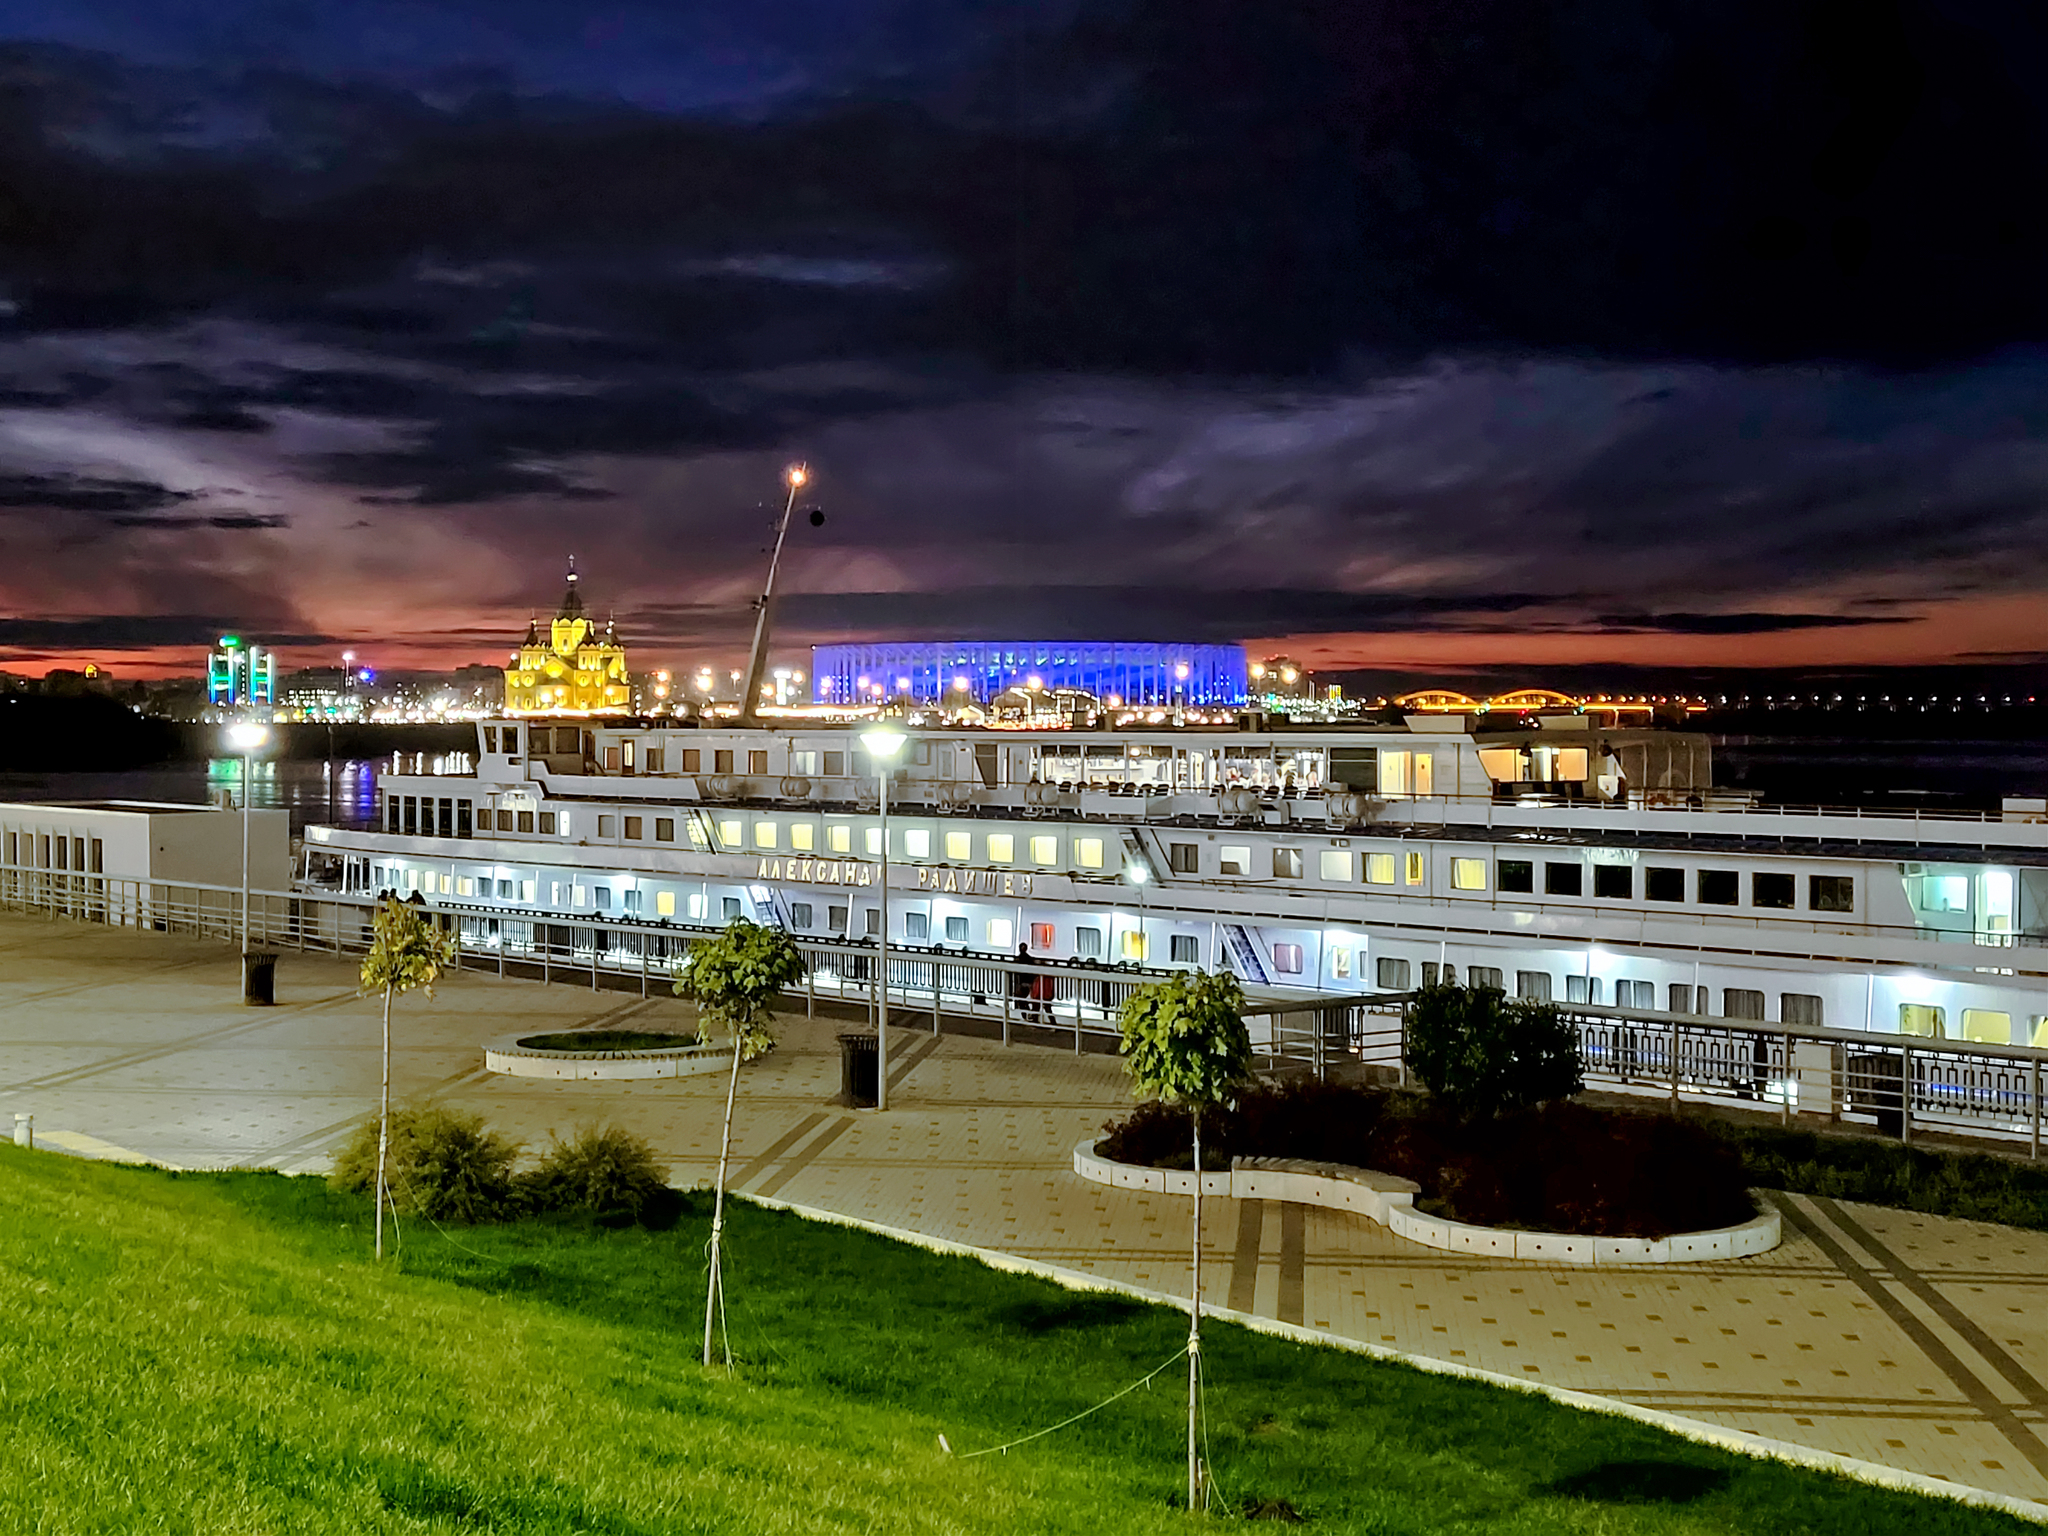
(1484, 1054)
(605, 1171)
(1972, 1186)
(443, 1164)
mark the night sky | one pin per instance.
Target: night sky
(1389, 332)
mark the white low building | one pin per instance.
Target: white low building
(116, 842)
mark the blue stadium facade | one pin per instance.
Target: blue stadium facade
(1136, 672)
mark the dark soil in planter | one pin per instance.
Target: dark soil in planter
(1558, 1168)
(608, 1040)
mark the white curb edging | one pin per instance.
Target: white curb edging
(515, 1060)
(1390, 1201)
(1741, 1442)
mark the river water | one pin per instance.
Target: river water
(306, 789)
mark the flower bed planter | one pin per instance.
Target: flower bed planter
(1390, 1201)
(514, 1059)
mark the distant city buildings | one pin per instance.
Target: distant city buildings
(241, 677)
(573, 670)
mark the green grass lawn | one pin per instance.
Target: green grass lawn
(216, 1353)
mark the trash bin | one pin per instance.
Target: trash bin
(859, 1059)
(259, 979)
(1877, 1087)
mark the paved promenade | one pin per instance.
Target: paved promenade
(1909, 1340)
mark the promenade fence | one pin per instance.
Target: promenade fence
(1902, 1084)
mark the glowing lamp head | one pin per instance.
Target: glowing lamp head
(883, 744)
(797, 475)
(1137, 873)
(247, 735)
(1180, 671)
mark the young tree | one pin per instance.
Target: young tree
(1185, 1042)
(733, 979)
(407, 954)
(1483, 1053)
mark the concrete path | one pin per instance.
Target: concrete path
(1908, 1340)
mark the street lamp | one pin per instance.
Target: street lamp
(246, 737)
(883, 744)
(1138, 872)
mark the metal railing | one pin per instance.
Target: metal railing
(1902, 1084)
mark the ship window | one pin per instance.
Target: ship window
(1184, 949)
(700, 836)
(800, 914)
(1718, 887)
(1987, 1027)
(803, 837)
(764, 834)
(1043, 937)
(1615, 882)
(1516, 874)
(1001, 933)
(1564, 880)
(1770, 890)
(664, 903)
(1925, 1019)
(1234, 861)
(465, 886)
(916, 926)
(956, 930)
(1002, 848)
(490, 738)
(1801, 1008)
(1379, 869)
(757, 762)
(1184, 858)
(1582, 989)
(1661, 883)
(839, 838)
(1392, 974)
(835, 765)
(835, 919)
(1411, 869)
(874, 841)
(1287, 959)
(654, 759)
(1741, 1003)
(1286, 863)
(1468, 874)
(611, 759)
(1831, 893)
(1045, 850)
(1484, 976)
(731, 833)
(507, 890)
(1434, 974)
(633, 902)
(729, 907)
(633, 826)
(1134, 945)
(917, 842)
(721, 761)
(503, 821)
(524, 821)
(1088, 942)
(1335, 864)
(1533, 986)
(803, 762)
(547, 822)
(664, 829)
(604, 898)
(1088, 852)
(1678, 997)
(696, 906)
(693, 760)
(959, 846)
(1635, 994)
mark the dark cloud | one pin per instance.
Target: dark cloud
(87, 493)
(1737, 623)
(231, 521)
(110, 632)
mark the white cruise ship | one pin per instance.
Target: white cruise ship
(1556, 859)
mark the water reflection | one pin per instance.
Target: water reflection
(343, 792)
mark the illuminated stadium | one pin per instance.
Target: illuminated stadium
(1135, 672)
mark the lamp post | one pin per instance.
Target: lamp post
(883, 744)
(246, 737)
(1138, 872)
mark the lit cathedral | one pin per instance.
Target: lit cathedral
(573, 670)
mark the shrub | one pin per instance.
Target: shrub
(444, 1164)
(1483, 1053)
(603, 1170)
